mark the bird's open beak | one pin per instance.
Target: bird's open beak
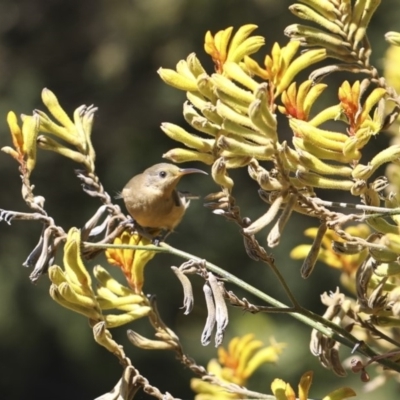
(186, 171)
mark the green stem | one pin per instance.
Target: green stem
(315, 321)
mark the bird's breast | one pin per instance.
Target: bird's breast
(154, 209)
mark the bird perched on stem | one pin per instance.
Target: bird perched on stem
(152, 200)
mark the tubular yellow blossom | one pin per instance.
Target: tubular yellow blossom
(227, 112)
(328, 140)
(387, 155)
(47, 143)
(16, 133)
(266, 218)
(340, 394)
(287, 53)
(241, 45)
(315, 164)
(108, 282)
(393, 38)
(268, 354)
(322, 153)
(197, 99)
(310, 97)
(368, 10)
(194, 65)
(240, 148)
(240, 132)
(351, 148)
(131, 261)
(276, 65)
(48, 126)
(51, 102)
(392, 242)
(182, 68)
(206, 87)
(177, 80)
(243, 357)
(13, 153)
(71, 296)
(330, 113)
(184, 155)
(324, 7)
(177, 133)
(283, 390)
(356, 14)
(235, 348)
(113, 321)
(126, 303)
(57, 276)
(220, 175)
(308, 131)
(371, 101)
(148, 344)
(262, 94)
(234, 71)
(232, 102)
(30, 130)
(305, 384)
(210, 112)
(315, 180)
(90, 313)
(317, 36)
(73, 264)
(357, 112)
(217, 46)
(304, 12)
(231, 89)
(256, 115)
(300, 63)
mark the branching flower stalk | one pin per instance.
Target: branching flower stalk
(309, 318)
(235, 111)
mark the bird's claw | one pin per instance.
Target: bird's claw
(7, 216)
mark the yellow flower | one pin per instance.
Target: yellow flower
(297, 102)
(72, 289)
(235, 365)
(280, 68)
(24, 141)
(357, 112)
(283, 390)
(222, 49)
(131, 261)
(391, 67)
(348, 263)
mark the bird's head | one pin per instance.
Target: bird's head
(166, 176)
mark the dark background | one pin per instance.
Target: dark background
(107, 53)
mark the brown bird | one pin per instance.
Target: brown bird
(151, 197)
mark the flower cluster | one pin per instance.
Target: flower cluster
(235, 365)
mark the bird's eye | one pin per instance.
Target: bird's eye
(162, 174)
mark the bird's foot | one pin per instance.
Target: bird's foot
(160, 238)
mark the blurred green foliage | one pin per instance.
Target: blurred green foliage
(107, 53)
